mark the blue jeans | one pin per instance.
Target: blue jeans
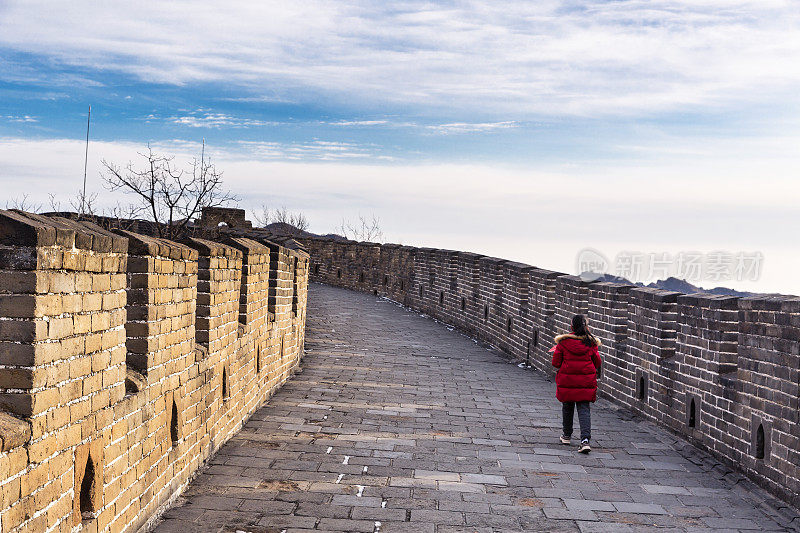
(584, 417)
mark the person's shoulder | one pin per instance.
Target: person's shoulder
(571, 336)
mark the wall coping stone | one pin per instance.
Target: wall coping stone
(655, 295)
(245, 244)
(16, 228)
(611, 286)
(208, 248)
(157, 247)
(543, 272)
(519, 267)
(101, 240)
(711, 300)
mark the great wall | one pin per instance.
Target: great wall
(723, 372)
(127, 360)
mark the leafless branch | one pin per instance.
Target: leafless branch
(81, 202)
(168, 195)
(282, 215)
(263, 218)
(123, 216)
(365, 229)
(55, 205)
(23, 203)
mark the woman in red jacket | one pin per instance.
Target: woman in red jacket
(578, 362)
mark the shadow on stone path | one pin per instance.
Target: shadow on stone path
(398, 423)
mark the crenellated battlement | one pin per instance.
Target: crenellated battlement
(721, 371)
(126, 360)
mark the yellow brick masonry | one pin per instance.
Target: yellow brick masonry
(113, 350)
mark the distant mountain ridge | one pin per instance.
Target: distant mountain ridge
(672, 284)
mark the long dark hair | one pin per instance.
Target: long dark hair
(580, 329)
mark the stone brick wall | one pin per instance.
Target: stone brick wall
(722, 372)
(127, 360)
(543, 307)
(214, 216)
(608, 319)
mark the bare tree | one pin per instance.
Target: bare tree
(282, 215)
(263, 218)
(297, 220)
(55, 205)
(122, 216)
(368, 230)
(166, 194)
(23, 203)
(83, 203)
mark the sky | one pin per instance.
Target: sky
(524, 130)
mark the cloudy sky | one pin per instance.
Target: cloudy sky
(526, 130)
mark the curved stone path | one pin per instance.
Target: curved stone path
(397, 423)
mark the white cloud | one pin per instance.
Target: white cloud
(359, 123)
(548, 57)
(309, 151)
(215, 120)
(467, 127)
(23, 118)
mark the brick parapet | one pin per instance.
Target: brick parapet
(608, 317)
(103, 376)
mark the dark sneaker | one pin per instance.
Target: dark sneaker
(564, 439)
(585, 448)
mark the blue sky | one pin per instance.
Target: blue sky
(668, 125)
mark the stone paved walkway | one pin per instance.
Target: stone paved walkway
(398, 423)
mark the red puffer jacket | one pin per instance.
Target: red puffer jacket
(576, 380)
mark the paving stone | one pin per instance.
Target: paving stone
(321, 510)
(558, 467)
(381, 515)
(663, 489)
(407, 527)
(569, 514)
(498, 521)
(267, 507)
(437, 476)
(458, 486)
(484, 478)
(335, 524)
(412, 482)
(454, 441)
(589, 505)
(287, 521)
(639, 508)
(437, 517)
(356, 501)
(599, 527)
(732, 523)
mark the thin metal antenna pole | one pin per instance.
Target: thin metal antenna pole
(86, 161)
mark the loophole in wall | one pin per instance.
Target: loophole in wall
(760, 442)
(87, 491)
